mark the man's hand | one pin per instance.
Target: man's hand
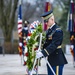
(39, 54)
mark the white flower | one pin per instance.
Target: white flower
(20, 44)
(25, 51)
(25, 58)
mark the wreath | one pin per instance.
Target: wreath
(32, 43)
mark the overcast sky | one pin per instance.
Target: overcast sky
(31, 1)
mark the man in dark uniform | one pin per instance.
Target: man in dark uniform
(24, 35)
(52, 46)
(25, 29)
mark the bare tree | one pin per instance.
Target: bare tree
(28, 10)
(7, 20)
(7, 17)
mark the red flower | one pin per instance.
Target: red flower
(29, 34)
(26, 54)
(25, 43)
(35, 48)
(24, 63)
(20, 47)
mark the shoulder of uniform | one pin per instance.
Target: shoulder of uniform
(58, 29)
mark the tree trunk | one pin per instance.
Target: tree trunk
(8, 48)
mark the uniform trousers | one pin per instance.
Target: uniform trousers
(57, 69)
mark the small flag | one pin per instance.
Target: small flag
(47, 8)
(71, 18)
(20, 29)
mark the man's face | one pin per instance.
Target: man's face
(50, 21)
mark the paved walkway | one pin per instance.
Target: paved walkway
(11, 65)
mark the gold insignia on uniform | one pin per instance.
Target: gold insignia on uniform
(50, 37)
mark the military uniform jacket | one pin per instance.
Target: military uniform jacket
(25, 31)
(24, 35)
(52, 47)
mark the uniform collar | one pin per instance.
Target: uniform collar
(25, 28)
(52, 26)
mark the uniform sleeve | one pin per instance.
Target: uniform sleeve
(56, 41)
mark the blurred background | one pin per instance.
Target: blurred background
(31, 11)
